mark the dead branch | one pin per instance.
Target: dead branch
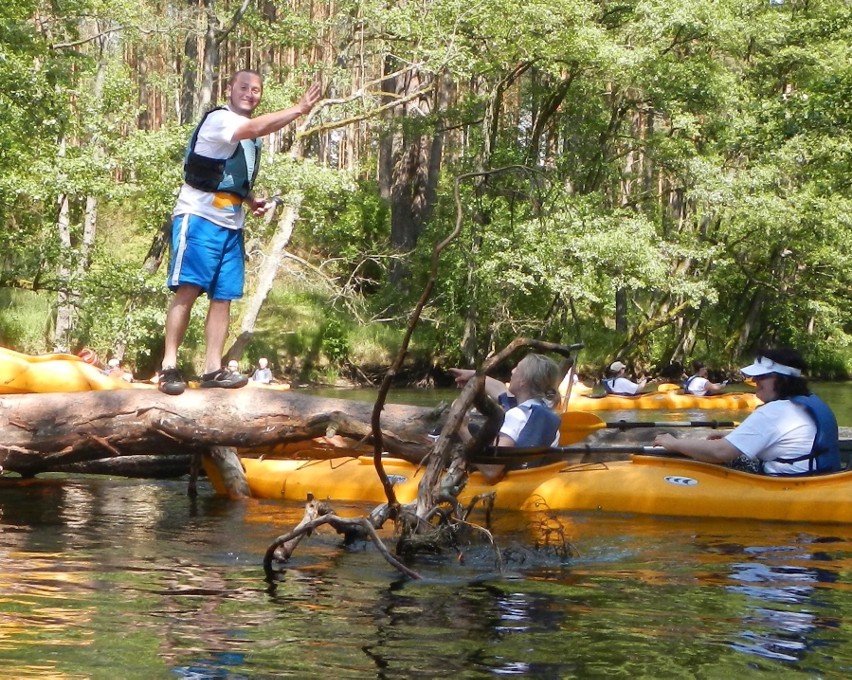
(350, 528)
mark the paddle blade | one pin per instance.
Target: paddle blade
(577, 425)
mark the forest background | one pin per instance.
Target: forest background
(660, 180)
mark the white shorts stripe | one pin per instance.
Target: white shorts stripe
(181, 249)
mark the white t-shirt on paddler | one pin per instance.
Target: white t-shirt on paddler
(778, 429)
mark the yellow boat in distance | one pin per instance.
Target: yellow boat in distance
(644, 484)
(731, 401)
(46, 373)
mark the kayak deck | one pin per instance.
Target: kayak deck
(732, 401)
(643, 484)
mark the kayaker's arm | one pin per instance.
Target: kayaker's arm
(717, 451)
(493, 387)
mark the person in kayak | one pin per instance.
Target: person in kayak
(699, 384)
(618, 384)
(533, 392)
(793, 433)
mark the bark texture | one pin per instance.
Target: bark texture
(48, 432)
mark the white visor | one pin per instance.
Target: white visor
(764, 366)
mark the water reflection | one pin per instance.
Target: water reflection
(107, 577)
(785, 600)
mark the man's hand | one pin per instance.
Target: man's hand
(260, 206)
(310, 98)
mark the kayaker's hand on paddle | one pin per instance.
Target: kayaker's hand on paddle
(667, 441)
(462, 375)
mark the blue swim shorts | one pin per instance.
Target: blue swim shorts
(207, 255)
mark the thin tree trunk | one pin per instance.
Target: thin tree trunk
(266, 278)
(64, 307)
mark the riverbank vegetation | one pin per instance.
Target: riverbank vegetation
(659, 180)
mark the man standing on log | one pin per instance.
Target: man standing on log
(220, 167)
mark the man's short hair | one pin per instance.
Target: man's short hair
(244, 70)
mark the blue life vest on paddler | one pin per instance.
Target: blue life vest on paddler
(824, 456)
(686, 383)
(234, 175)
(542, 423)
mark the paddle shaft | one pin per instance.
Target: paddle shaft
(629, 424)
(577, 425)
(507, 455)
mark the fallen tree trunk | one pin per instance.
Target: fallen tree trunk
(48, 432)
(167, 466)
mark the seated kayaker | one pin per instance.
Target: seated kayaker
(617, 383)
(793, 433)
(531, 396)
(699, 384)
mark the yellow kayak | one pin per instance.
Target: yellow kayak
(26, 374)
(732, 401)
(643, 484)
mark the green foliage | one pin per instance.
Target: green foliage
(24, 320)
(690, 160)
(335, 345)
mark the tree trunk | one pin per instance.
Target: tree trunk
(415, 175)
(189, 77)
(265, 278)
(47, 432)
(64, 308)
(210, 63)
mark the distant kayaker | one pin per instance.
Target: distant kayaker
(532, 394)
(618, 384)
(699, 384)
(262, 374)
(793, 433)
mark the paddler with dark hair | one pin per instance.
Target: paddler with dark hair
(794, 432)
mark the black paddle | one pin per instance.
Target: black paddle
(507, 455)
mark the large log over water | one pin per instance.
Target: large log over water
(47, 432)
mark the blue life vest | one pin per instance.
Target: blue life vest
(234, 175)
(542, 423)
(687, 382)
(824, 456)
(541, 428)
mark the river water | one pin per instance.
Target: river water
(112, 578)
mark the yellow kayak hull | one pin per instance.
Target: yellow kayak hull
(733, 401)
(28, 374)
(644, 484)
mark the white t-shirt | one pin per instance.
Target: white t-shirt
(515, 420)
(698, 386)
(214, 141)
(778, 429)
(624, 386)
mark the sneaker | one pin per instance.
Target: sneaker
(171, 382)
(224, 378)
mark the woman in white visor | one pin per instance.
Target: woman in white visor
(793, 433)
